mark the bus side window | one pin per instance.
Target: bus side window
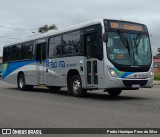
(16, 52)
(88, 44)
(7, 54)
(51, 47)
(95, 44)
(93, 47)
(55, 46)
(58, 50)
(27, 50)
(71, 43)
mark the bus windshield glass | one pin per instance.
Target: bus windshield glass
(129, 48)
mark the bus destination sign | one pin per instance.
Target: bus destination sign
(127, 26)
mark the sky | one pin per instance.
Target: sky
(22, 18)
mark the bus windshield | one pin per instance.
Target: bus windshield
(129, 48)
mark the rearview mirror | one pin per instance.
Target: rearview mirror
(105, 37)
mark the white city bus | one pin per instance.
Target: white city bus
(111, 55)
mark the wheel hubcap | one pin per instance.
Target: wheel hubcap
(76, 86)
(21, 83)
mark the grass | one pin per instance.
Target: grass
(157, 76)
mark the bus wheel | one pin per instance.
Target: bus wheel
(76, 86)
(22, 85)
(114, 92)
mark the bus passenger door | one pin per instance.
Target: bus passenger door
(40, 59)
(90, 41)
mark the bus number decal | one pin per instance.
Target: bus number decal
(60, 64)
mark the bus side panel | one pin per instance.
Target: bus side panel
(101, 76)
(30, 75)
(58, 69)
(11, 79)
(10, 72)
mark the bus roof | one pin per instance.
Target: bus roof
(54, 32)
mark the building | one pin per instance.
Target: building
(157, 63)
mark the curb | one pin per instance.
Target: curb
(156, 82)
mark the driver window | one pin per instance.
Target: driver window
(91, 44)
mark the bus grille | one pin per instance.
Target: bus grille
(129, 83)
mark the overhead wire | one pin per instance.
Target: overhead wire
(5, 41)
(8, 37)
(15, 28)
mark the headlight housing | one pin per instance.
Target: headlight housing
(113, 72)
(152, 74)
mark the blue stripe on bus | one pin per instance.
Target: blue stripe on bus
(125, 74)
(122, 74)
(8, 68)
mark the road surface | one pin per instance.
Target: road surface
(41, 108)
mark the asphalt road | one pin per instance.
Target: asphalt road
(41, 108)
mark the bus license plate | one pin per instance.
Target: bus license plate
(135, 86)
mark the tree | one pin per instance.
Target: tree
(46, 28)
(158, 51)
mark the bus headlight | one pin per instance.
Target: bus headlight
(113, 73)
(152, 74)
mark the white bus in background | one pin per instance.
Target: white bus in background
(111, 55)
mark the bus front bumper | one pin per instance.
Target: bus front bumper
(130, 83)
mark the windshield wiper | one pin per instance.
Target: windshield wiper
(137, 41)
(124, 40)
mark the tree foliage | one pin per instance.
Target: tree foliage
(46, 28)
(158, 51)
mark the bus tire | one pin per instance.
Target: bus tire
(22, 85)
(76, 87)
(114, 92)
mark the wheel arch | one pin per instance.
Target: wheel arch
(70, 74)
(18, 75)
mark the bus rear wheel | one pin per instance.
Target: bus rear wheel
(76, 87)
(114, 92)
(22, 85)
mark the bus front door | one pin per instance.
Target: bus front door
(90, 41)
(40, 57)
